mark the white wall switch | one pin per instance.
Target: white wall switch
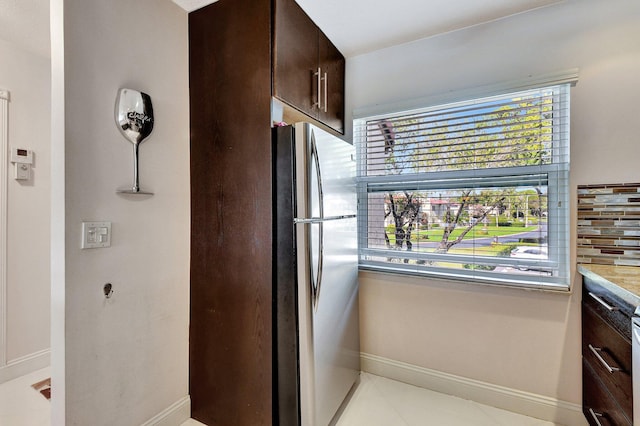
(96, 235)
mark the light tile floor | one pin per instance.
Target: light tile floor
(378, 401)
(22, 405)
(192, 422)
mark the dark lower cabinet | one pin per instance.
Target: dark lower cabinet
(598, 404)
(607, 393)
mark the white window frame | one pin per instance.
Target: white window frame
(556, 173)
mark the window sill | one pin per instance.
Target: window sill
(460, 282)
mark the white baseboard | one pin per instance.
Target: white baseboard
(25, 365)
(530, 404)
(174, 415)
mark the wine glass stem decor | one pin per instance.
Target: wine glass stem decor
(136, 174)
(134, 118)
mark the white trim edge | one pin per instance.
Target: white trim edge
(25, 365)
(530, 404)
(176, 414)
(4, 149)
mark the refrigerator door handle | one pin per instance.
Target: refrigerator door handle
(316, 279)
(317, 282)
(325, 219)
(315, 166)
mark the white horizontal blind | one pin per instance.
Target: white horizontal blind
(472, 190)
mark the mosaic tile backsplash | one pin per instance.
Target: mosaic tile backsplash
(609, 224)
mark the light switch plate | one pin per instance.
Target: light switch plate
(96, 235)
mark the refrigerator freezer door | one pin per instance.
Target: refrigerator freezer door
(327, 274)
(329, 331)
(335, 320)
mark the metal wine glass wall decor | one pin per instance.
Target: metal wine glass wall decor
(134, 118)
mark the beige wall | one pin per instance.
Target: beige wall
(126, 358)
(519, 339)
(27, 77)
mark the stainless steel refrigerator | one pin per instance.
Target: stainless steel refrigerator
(317, 346)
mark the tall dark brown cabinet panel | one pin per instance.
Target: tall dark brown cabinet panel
(241, 53)
(231, 299)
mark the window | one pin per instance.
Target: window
(475, 190)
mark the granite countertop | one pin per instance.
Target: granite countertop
(624, 279)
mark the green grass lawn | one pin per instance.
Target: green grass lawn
(479, 231)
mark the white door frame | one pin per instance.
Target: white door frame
(4, 150)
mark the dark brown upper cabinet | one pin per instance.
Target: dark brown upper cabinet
(308, 70)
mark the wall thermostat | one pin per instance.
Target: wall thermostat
(22, 159)
(20, 155)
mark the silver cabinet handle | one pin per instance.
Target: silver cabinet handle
(596, 352)
(318, 75)
(595, 416)
(603, 303)
(326, 95)
(322, 83)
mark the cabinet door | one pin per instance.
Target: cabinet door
(295, 57)
(604, 347)
(597, 404)
(332, 64)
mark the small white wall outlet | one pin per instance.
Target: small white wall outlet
(96, 235)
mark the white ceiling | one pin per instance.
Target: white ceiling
(359, 26)
(355, 26)
(191, 5)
